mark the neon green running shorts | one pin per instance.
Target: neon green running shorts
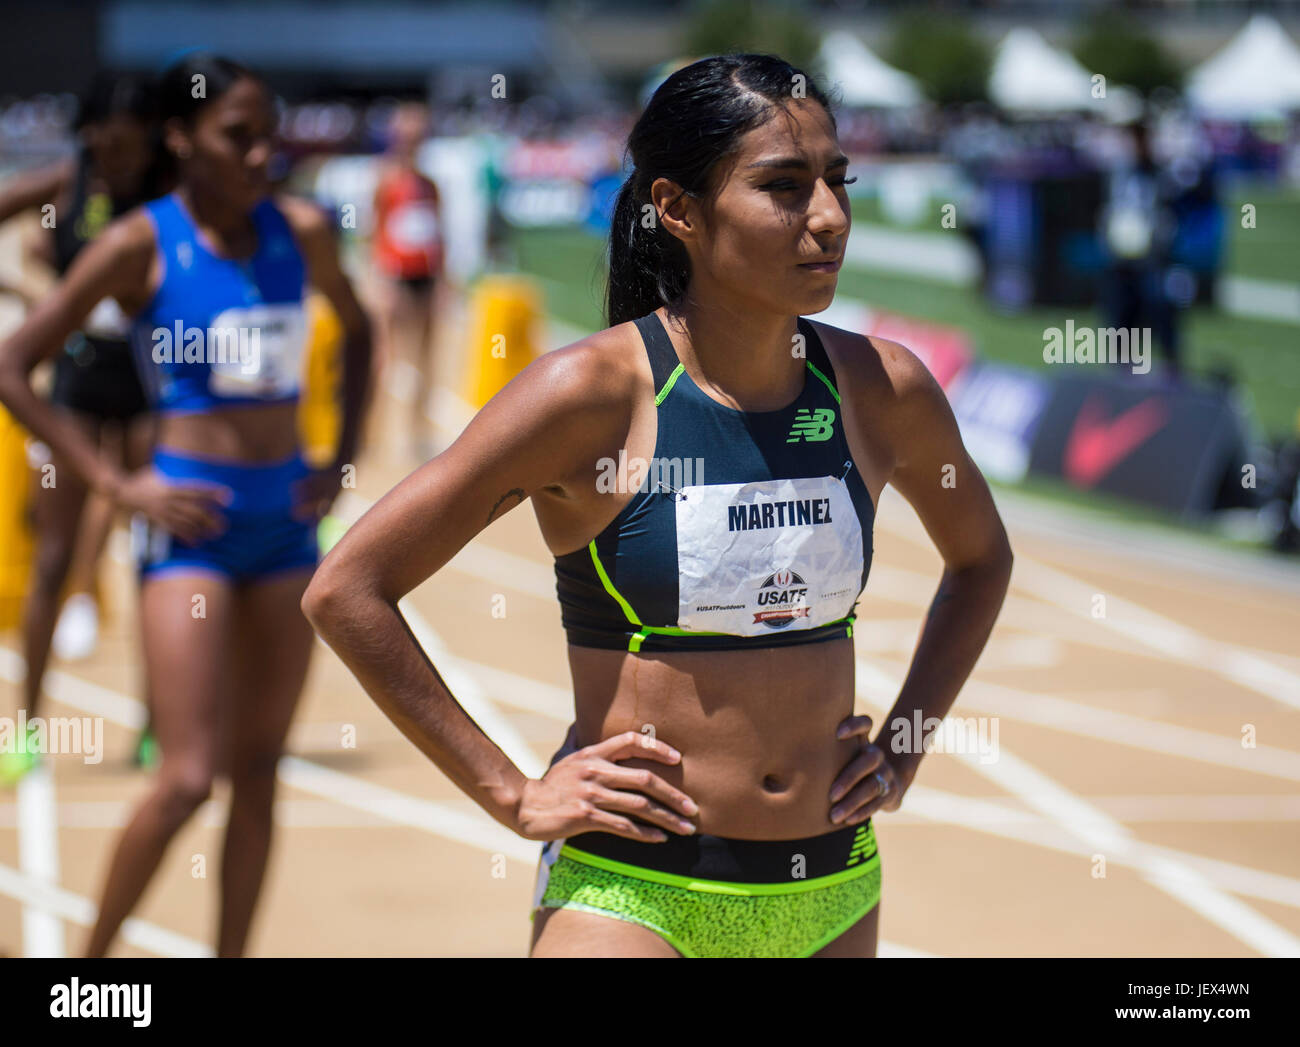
(712, 896)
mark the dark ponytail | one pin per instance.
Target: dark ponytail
(694, 119)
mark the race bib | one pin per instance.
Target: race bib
(413, 226)
(769, 556)
(257, 350)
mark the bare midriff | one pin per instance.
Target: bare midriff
(756, 729)
(253, 433)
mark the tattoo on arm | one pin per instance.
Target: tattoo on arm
(516, 492)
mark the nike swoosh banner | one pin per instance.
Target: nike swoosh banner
(1170, 446)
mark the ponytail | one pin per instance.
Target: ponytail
(694, 119)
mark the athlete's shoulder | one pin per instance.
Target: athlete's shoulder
(129, 237)
(306, 218)
(597, 371)
(874, 365)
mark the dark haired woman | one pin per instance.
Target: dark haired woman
(715, 794)
(116, 168)
(213, 274)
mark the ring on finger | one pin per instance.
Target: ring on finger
(884, 785)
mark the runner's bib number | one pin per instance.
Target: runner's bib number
(769, 556)
(257, 350)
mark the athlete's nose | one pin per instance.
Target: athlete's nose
(825, 212)
(259, 156)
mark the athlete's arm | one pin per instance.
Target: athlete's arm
(26, 191)
(542, 433)
(34, 189)
(314, 234)
(935, 474)
(116, 264)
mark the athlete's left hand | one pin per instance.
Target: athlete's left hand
(868, 783)
(314, 494)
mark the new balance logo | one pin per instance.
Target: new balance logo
(812, 426)
(864, 845)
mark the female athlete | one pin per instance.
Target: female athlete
(715, 795)
(119, 164)
(213, 274)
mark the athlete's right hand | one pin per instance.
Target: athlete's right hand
(189, 510)
(582, 792)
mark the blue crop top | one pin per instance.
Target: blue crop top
(221, 331)
(746, 529)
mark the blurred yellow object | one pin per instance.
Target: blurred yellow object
(504, 314)
(319, 418)
(16, 544)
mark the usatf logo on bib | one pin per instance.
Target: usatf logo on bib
(812, 426)
(783, 597)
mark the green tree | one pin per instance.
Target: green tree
(1121, 49)
(784, 29)
(945, 55)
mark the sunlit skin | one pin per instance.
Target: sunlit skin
(769, 748)
(224, 686)
(70, 536)
(224, 158)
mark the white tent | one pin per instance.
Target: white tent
(863, 79)
(1029, 73)
(1256, 74)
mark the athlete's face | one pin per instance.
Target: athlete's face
(227, 149)
(782, 204)
(121, 150)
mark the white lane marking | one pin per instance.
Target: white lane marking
(1061, 714)
(1161, 634)
(470, 695)
(91, 697)
(1103, 834)
(1132, 621)
(1247, 808)
(506, 569)
(476, 830)
(292, 814)
(997, 818)
(79, 910)
(1254, 808)
(38, 858)
(525, 693)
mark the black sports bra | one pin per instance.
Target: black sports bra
(747, 529)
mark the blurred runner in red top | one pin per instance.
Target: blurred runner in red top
(408, 258)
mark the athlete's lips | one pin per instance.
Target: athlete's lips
(826, 266)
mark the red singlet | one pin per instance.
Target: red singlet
(407, 241)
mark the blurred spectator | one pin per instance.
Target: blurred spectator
(1138, 225)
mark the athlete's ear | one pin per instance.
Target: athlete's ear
(176, 137)
(675, 209)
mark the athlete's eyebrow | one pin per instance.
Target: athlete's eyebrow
(799, 163)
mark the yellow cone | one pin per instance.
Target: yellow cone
(319, 418)
(16, 545)
(505, 316)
